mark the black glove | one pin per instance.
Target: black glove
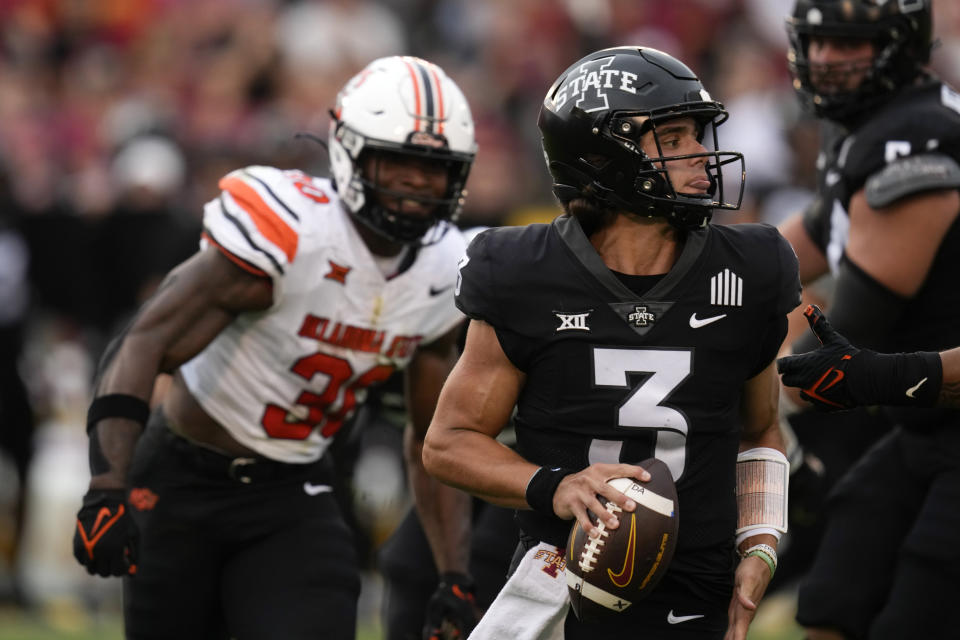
(838, 375)
(821, 374)
(105, 538)
(451, 612)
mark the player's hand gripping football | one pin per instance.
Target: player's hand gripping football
(578, 494)
(823, 375)
(451, 611)
(105, 538)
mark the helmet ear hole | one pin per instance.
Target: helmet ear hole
(596, 161)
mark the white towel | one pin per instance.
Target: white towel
(533, 603)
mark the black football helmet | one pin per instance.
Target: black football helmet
(900, 29)
(592, 145)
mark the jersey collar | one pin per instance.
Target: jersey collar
(570, 231)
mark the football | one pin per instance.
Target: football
(607, 574)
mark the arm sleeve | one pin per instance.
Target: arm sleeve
(863, 310)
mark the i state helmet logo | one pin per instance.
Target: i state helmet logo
(590, 82)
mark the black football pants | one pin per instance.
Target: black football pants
(410, 575)
(245, 551)
(888, 566)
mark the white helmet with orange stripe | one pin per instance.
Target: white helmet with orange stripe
(404, 106)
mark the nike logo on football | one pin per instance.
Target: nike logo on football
(696, 322)
(316, 489)
(623, 578)
(914, 388)
(435, 291)
(672, 619)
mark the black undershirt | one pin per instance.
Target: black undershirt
(639, 284)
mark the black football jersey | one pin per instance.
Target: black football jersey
(612, 376)
(919, 120)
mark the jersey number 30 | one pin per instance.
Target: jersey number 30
(278, 423)
(666, 369)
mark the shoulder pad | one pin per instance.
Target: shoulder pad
(475, 289)
(472, 232)
(912, 175)
(772, 260)
(252, 220)
(497, 266)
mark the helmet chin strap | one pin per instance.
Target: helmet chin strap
(396, 228)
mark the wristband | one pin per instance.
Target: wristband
(117, 405)
(766, 553)
(541, 487)
(902, 379)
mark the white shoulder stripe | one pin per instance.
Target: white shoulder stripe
(269, 189)
(231, 227)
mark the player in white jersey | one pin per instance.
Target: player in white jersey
(306, 291)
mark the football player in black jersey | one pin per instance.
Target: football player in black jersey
(628, 328)
(884, 222)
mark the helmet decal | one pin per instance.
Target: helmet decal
(428, 94)
(591, 85)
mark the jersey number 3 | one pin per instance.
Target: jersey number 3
(666, 369)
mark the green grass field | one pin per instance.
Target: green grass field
(16, 624)
(21, 626)
(774, 622)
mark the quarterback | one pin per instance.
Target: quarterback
(629, 328)
(217, 505)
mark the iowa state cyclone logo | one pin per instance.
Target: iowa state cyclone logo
(589, 84)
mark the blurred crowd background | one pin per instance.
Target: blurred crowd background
(117, 118)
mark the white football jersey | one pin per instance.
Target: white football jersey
(282, 381)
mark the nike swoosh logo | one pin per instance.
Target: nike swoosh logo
(101, 525)
(434, 291)
(696, 322)
(914, 388)
(316, 489)
(672, 619)
(627, 569)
